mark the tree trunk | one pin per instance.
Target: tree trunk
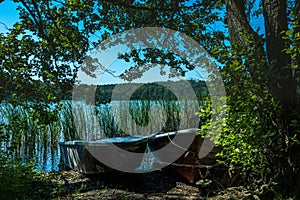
(237, 22)
(285, 85)
(297, 30)
(240, 29)
(275, 15)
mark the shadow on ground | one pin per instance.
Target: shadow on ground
(113, 185)
(152, 182)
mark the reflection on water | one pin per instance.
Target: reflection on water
(48, 159)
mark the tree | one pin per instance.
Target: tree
(42, 51)
(260, 70)
(276, 74)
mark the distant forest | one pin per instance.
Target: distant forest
(148, 91)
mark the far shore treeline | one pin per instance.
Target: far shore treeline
(147, 91)
(143, 91)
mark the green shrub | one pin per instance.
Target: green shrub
(19, 181)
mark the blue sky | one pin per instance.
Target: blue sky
(8, 14)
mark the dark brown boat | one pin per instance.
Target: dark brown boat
(182, 151)
(199, 155)
(84, 155)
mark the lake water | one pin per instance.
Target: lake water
(87, 122)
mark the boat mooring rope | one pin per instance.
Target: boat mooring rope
(194, 154)
(187, 165)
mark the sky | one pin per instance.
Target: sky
(8, 14)
(110, 61)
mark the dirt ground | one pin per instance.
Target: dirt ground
(153, 186)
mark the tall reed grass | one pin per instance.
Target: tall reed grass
(23, 134)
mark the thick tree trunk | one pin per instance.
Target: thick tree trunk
(275, 15)
(296, 157)
(240, 29)
(237, 22)
(284, 87)
(239, 26)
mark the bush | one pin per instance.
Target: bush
(18, 181)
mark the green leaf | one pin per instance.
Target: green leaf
(289, 32)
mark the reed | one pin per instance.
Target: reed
(88, 122)
(23, 134)
(108, 122)
(67, 122)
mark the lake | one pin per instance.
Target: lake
(27, 137)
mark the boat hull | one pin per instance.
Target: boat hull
(199, 154)
(188, 161)
(85, 156)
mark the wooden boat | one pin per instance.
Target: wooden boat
(169, 149)
(81, 155)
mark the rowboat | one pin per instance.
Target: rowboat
(183, 152)
(85, 156)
